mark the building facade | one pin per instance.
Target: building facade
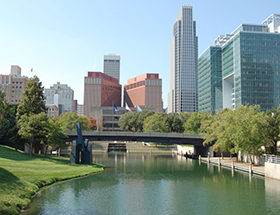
(250, 58)
(111, 66)
(60, 95)
(210, 80)
(184, 56)
(144, 90)
(52, 111)
(100, 90)
(13, 85)
(80, 109)
(251, 68)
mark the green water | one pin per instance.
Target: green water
(145, 184)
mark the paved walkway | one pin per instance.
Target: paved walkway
(227, 162)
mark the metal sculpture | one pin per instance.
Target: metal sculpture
(81, 149)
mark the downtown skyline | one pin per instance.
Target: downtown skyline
(62, 42)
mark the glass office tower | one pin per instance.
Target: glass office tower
(183, 72)
(250, 59)
(210, 80)
(251, 68)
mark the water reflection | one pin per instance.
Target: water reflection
(150, 184)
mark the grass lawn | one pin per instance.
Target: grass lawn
(21, 176)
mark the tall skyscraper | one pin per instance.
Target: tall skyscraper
(111, 66)
(144, 90)
(183, 72)
(12, 85)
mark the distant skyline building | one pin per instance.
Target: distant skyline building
(144, 90)
(13, 85)
(184, 56)
(60, 95)
(100, 90)
(210, 80)
(111, 66)
(250, 58)
(80, 109)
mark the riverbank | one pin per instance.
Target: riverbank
(21, 176)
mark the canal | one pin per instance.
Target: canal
(151, 184)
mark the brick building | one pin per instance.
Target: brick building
(100, 90)
(144, 90)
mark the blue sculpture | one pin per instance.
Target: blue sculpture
(81, 148)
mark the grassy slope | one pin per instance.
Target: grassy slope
(21, 176)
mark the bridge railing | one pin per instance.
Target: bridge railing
(272, 159)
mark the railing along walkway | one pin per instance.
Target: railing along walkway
(226, 162)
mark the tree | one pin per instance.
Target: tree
(4, 111)
(243, 129)
(55, 135)
(193, 123)
(251, 125)
(175, 123)
(219, 129)
(133, 121)
(34, 129)
(272, 129)
(141, 116)
(156, 123)
(69, 120)
(125, 121)
(33, 99)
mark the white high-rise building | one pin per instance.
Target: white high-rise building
(60, 94)
(111, 66)
(184, 56)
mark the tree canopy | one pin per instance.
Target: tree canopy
(156, 123)
(133, 121)
(69, 120)
(32, 101)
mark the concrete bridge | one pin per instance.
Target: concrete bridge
(169, 138)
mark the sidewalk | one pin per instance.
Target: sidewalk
(227, 162)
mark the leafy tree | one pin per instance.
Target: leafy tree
(184, 117)
(4, 111)
(141, 116)
(193, 123)
(34, 129)
(175, 123)
(272, 129)
(69, 120)
(156, 123)
(125, 121)
(241, 130)
(55, 135)
(250, 136)
(33, 99)
(219, 129)
(133, 121)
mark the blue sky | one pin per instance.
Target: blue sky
(63, 39)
